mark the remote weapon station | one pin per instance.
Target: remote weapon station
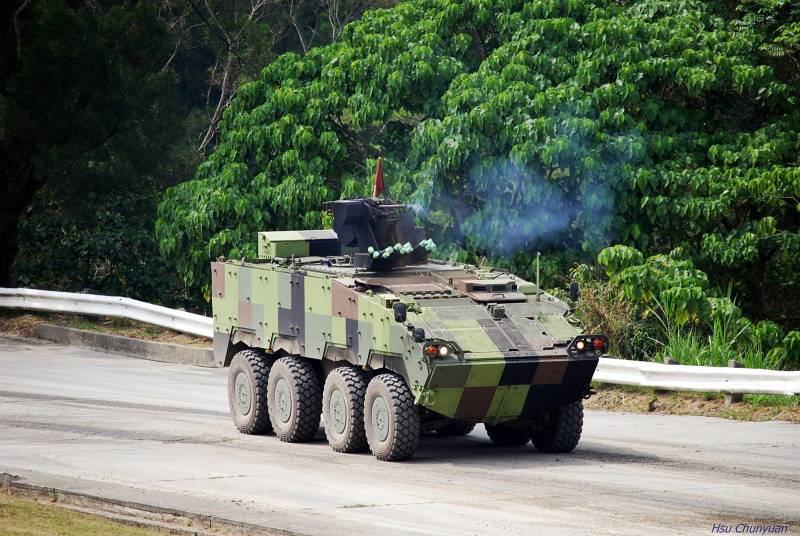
(357, 325)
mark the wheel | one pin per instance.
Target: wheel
(504, 435)
(563, 431)
(343, 409)
(391, 419)
(294, 398)
(456, 428)
(247, 391)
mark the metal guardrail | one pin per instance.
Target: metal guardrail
(696, 378)
(615, 371)
(92, 304)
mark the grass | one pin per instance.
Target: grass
(25, 517)
(722, 339)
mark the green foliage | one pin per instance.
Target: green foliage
(87, 123)
(302, 132)
(104, 104)
(109, 251)
(523, 126)
(664, 307)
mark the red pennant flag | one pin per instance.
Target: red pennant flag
(377, 190)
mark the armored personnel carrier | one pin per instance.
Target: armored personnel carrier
(357, 325)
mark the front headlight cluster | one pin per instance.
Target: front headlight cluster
(441, 350)
(590, 343)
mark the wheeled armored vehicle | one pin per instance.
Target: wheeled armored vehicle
(358, 326)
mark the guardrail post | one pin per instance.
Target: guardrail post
(667, 361)
(733, 398)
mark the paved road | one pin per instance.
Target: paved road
(160, 434)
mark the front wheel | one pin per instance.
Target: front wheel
(391, 419)
(563, 431)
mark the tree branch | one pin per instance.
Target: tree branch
(17, 13)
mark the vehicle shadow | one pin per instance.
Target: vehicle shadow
(475, 449)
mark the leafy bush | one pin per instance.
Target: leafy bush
(107, 246)
(664, 307)
(516, 126)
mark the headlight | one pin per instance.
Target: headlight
(437, 350)
(580, 345)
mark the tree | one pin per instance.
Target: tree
(83, 116)
(517, 126)
(221, 44)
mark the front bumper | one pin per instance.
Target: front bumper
(503, 389)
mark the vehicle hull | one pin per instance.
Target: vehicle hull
(497, 390)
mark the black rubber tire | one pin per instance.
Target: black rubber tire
(563, 432)
(305, 398)
(504, 435)
(403, 418)
(456, 429)
(352, 384)
(255, 366)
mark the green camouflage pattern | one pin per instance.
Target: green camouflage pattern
(515, 358)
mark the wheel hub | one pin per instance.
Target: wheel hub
(338, 410)
(283, 400)
(380, 418)
(241, 392)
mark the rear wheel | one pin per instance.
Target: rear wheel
(247, 391)
(391, 419)
(563, 431)
(456, 428)
(294, 398)
(343, 409)
(505, 435)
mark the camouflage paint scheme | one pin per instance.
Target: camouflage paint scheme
(517, 356)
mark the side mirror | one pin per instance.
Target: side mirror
(574, 291)
(418, 334)
(400, 311)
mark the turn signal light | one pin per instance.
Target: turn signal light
(431, 350)
(599, 344)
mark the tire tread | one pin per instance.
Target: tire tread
(563, 436)
(356, 384)
(507, 436)
(406, 419)
(260, 365)
(309, 400)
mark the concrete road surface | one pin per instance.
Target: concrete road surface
(160, 434)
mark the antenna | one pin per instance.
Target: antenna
(538, 288)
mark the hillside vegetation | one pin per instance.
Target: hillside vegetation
(559, 126)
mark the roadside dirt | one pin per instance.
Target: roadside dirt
(25, 326)
(639, 400)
